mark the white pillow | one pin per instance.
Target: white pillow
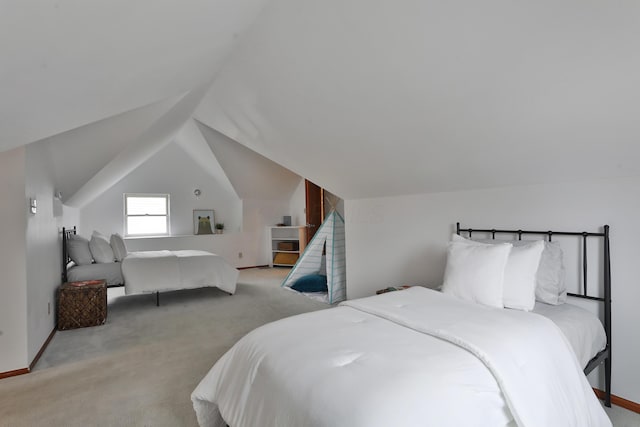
(118, 246)
(100, 248)
(550, 284)
(78, 250)
(551, 287)
(520, 276)
(475, 272)
(520, 272)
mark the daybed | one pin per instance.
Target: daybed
(151, 271)
(423, 357)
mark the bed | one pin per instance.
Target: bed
(417, 357)
(154, 271)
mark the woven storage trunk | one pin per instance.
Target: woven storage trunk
(82, 306)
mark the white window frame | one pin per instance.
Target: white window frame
(126, 214)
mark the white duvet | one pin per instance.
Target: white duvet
(409, 358)
(152, 271)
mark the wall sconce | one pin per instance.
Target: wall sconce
(197, 193)
(33, 205)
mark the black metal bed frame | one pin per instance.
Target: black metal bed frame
(604, 355)
(65, 252)
(66, 260)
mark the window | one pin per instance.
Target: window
(146, 214)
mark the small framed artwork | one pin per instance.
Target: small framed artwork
(203, 221)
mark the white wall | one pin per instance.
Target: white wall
(402, 240)
(13, 290)
(297, 204)
(70, 217)
(331, 201)
(30, 255)
(43, 255)
(169, 171)
(173, 171)
(252, 242)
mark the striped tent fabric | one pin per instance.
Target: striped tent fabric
(331, 232)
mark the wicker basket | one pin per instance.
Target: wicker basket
(82, 304)
(285, 258)
(288, 246)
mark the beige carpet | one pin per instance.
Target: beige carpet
(141, 367)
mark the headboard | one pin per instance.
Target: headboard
(65, 253)
(604, 355)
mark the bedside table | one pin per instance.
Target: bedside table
(82, 304)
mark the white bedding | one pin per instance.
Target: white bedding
(583, 330)
(415, 357)
(110, 272)
(157, 271)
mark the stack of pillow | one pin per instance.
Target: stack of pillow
(98, 249)
(511, 274)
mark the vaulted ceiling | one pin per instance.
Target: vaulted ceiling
(68, 63)
(365, 98)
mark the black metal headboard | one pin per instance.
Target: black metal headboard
(604, 355)
(65, 253)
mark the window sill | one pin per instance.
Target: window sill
(171, 236)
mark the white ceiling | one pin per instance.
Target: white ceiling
(67, 63)
(77, 155)
(252, 175)
(138, 151)
(364, 98)
(385, 98)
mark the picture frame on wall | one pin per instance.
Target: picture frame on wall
(203, 221)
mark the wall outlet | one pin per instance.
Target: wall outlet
(239, 254)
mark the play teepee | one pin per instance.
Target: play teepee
(331, 232)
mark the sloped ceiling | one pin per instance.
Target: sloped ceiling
(105, 85)
(191, 140)
(384, 98)
(364, 98)
(252, 175)
(67, 63)
(139, 151)
(77, 155)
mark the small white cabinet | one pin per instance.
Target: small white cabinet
(287, 243)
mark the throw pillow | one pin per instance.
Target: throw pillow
(311, 283)
(78, 250)
(100, 248)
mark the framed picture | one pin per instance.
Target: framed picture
(203, 221)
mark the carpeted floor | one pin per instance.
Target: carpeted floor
(141, 367)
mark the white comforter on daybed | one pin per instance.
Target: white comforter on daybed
(409, 358)
(157, 271)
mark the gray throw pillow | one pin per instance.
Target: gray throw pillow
(101, 249)
(78, 250)
(118, 246)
